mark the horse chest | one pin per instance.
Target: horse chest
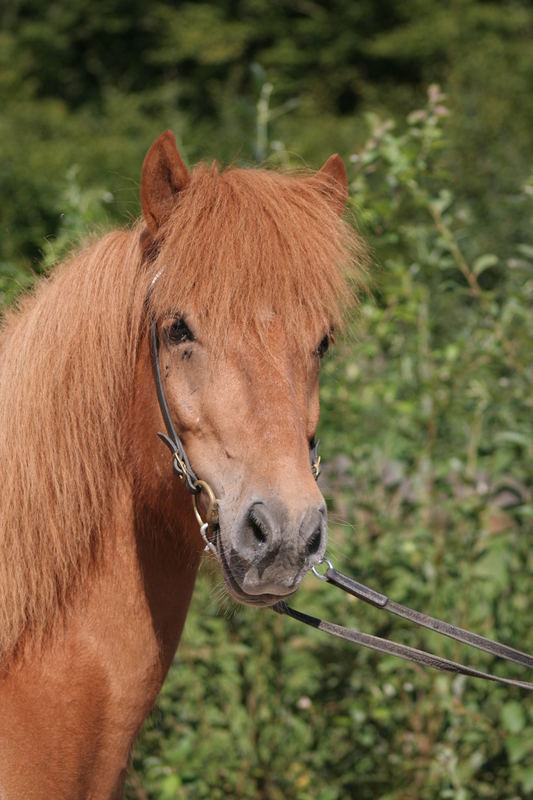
(72, 711)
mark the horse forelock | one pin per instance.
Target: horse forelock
(245, 246)
(242, 247)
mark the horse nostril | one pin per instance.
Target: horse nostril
(313, 543)
(257, 528)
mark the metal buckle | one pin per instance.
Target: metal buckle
(212, 509)
(209, 545)
(211, 515)
(179, 466)
(319, 574)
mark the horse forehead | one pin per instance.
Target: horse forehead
(267, 342)
(270, 326)
(267, 316)
(266, 346)
(265, 363)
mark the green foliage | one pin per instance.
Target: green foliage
(82, 212)
(92, 84)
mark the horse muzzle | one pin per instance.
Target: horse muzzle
(266, 553)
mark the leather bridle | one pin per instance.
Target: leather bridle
(209, 531)
(180, 463)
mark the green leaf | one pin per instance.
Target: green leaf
(525, 250)
(484, 262)
(512, 717)
(519, 745)
(526, 779)
(512, 437)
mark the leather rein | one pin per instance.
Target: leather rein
(209, 531)
(421, 657)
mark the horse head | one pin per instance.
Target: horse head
(248, 284)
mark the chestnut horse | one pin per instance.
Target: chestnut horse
(245, 273)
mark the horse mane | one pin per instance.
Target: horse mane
(238, 242)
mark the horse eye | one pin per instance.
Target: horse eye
(179, 331)
(323, 346)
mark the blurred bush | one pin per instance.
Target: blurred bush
(93, 84)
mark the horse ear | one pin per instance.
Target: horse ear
(164, 175)
(332, 181)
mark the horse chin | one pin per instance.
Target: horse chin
(238, 594)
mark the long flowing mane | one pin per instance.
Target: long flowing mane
(239, 242)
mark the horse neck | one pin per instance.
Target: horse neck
(95, 478)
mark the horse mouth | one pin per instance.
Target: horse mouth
(238, 593)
